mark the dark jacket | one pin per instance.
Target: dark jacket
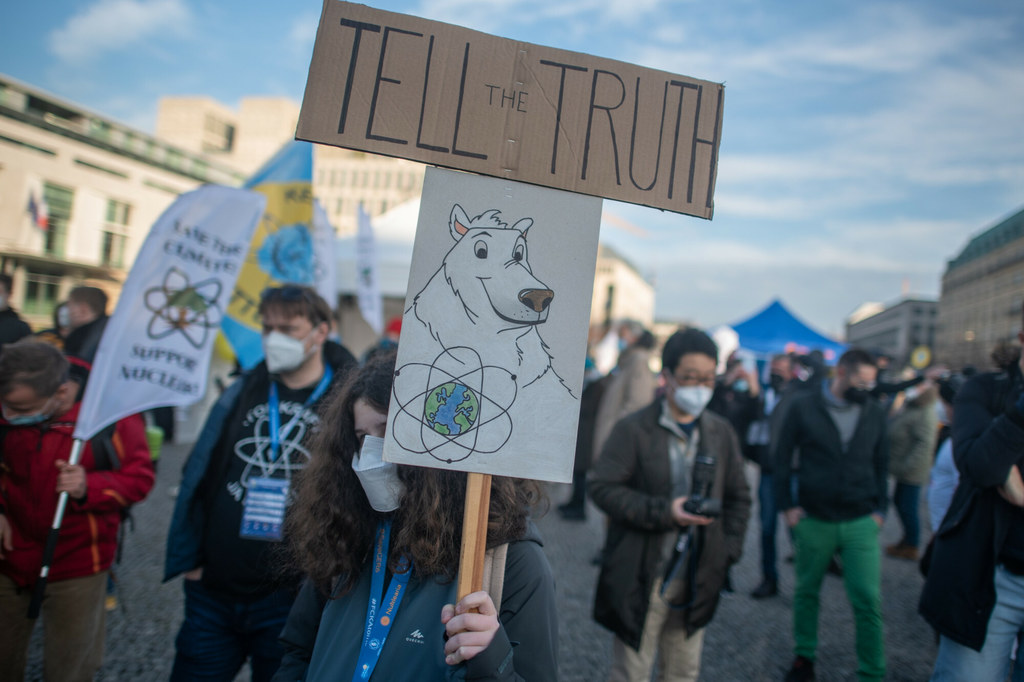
(832, 485)
(185, 536)
(82, 342)
(988, 439)
(12, 327)
(631, 482)
(322, 637)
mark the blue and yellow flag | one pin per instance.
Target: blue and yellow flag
(282, 249)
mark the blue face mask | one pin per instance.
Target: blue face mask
(27, 419)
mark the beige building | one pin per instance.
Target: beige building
(243, 140)
(620, 291)
(102, 183)
(982, 295)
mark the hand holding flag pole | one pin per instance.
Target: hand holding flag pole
(39, 589)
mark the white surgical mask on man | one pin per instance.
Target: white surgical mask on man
(692, 399)
(284, 353)
(380, 479)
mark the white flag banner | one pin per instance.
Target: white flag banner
(156, 347)
(325, 279)
(367, 283)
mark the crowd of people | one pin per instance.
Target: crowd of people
(300, 550)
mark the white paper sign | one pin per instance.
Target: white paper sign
(156, 348)
(491, 357)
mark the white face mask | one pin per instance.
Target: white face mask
(692, 399)
(284, 353)
(380, 479)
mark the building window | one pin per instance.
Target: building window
(115, 234)
(40, 293)
(112, 254)
(58, 201)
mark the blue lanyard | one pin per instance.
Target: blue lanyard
(273, 407)
(377, 629)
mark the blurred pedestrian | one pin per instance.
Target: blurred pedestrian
(39, 409)
(759, 439)
(974, 592)
(665, 561)
(912, 435)
(87, 312)
(590, 399)
(12, 327)
(56, 334)
(235, 487)
(944, 475)
(840, 503)
(359, 523)
(631, 384)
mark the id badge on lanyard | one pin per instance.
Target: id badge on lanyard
(265, 503)
(266, 498)
(383, 604)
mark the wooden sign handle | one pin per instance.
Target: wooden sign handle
(474, 534)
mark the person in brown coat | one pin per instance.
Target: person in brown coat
(630, 385)
(654, 462)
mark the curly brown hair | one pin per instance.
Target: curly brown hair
(330, 527)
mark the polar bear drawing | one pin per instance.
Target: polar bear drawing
(485, 296)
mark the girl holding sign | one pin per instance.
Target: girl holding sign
(380, 545)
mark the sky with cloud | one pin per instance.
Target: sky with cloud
(863, 143)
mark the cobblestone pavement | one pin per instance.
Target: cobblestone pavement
(747, 640)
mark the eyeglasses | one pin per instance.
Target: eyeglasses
(691, 379)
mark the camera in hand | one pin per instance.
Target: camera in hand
(703, 506)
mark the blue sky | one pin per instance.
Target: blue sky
(863, 142)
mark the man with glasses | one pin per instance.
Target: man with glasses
(839, 505)
(670, 477)
(235, 488)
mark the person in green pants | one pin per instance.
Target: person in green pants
(839, 433)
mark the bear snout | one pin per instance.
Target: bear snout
(536, 300)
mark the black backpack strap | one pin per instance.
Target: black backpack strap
(104, 450)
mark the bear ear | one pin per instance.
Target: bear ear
(523, 225)
(458, 223)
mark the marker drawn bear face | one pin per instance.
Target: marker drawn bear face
(489, 269)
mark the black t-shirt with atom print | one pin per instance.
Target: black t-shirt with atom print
(242, 567)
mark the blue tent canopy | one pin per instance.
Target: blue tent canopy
(776, 330)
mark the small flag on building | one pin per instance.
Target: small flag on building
(38, 209)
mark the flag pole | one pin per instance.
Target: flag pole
(51, 540)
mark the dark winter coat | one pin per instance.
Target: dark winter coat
(631, 481)
(12, 327)
(322, 637)
(988, 438)
(832, 484)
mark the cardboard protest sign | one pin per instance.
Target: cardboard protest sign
(403, 86)
(156, 348)
(490, 362)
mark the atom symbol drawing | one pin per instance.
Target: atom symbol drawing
(257, 453)
(181, 307)
(453, 407)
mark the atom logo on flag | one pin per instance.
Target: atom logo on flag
(454, 406)
(181, 307)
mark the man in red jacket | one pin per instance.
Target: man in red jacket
(39, 410)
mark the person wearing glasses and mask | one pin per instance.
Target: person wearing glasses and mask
(670, 478)
(839, 505)
(235, 487)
